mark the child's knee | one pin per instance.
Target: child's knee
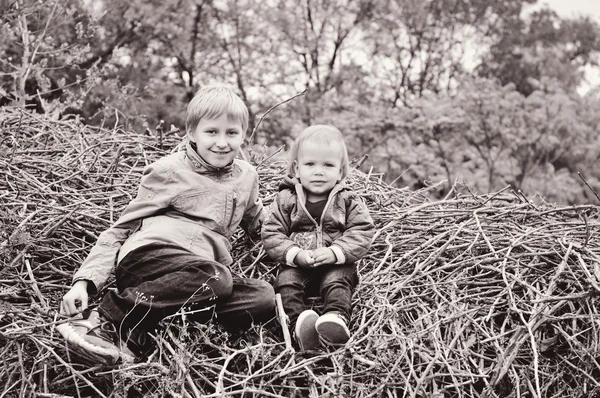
(221, 283)
(264, 298)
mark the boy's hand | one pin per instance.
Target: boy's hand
(324, 255)
(305, 259)
(76, 299)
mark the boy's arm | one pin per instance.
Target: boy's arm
(355, 242)
(152, 197)
(255, 214)
(276, 231)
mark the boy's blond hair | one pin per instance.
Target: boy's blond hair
(210, 102)
(321, 134)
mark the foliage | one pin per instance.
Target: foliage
(434, 92)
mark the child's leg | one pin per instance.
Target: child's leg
(251, 301)
(291, 284)
(337, 285)
(156, 281)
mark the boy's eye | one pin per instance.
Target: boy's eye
(211, 132)
(309, 163)
(233, 132)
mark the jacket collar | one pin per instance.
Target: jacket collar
(202, 166)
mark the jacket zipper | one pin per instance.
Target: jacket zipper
(319, 226)
(232, 210)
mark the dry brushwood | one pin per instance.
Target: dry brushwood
(468, 296)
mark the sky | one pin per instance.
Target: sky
(574, 9)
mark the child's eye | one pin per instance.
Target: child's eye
(309, 163)
(211, 132)
(233, 132)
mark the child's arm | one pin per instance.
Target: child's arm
(153, 196)
(276, 232)
(355, 241)
(255, 214)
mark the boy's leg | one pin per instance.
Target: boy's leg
(251, 301)
(291, 284)
(157, 280)
(337, 285)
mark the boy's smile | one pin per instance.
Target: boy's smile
(218, 140)
(319, 168)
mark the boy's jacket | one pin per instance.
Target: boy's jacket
(182, 201)
(346, 226)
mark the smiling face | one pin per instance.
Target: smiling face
(218, 140)
(319, 168)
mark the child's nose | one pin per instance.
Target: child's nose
(221, 141)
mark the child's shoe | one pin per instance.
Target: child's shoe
(92, 337)
(306, 334)
(332, 328)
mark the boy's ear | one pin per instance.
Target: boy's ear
(296, 168)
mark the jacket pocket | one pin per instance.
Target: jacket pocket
(203, 204)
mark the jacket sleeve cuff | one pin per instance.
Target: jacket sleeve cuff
(291, 255)
(92, 289)
(339, 254)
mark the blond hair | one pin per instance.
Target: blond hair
(210, 102)
(320, 134)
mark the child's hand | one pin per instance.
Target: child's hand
(305, 259)
(76, 299)
(324, 255)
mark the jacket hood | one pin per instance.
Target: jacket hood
(288, 182)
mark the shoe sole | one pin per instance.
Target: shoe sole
(87, 350)
(333, 332)
(307, 335)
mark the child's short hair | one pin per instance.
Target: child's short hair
(321, 134)
(212, 101)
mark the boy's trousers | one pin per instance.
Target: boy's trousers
(336, 284)
(156, 281)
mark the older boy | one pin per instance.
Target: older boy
(172, 242)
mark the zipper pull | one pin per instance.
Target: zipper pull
(319, 236)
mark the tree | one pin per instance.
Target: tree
(41, 43)
(544, 48)
(421, 46)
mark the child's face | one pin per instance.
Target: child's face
(218, 141)
(319, 168)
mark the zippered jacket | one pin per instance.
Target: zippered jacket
(345, 226)
(182, 201)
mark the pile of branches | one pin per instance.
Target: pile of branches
(468, 296)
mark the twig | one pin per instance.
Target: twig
(269, 111)
(284, 322)
(588, 185)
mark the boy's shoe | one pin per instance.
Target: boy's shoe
(93, 338)
(306, 334)
(332, 328)
(136, 343)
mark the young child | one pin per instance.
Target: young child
(317, 230)
(171, 244)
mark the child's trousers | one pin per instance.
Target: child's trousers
(336, 284)
(156, 281)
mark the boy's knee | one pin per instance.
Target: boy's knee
(221, 284)
(264, 300)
